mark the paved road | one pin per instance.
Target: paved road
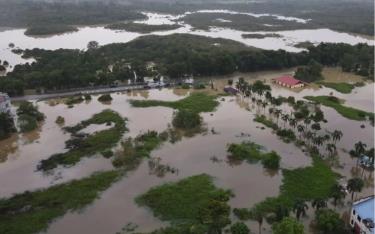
(77, 92)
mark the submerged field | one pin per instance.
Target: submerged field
(170, 183)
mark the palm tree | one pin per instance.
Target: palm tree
(300, 129)
(355, 185)
(277, 114)
(285, 118)
(264, 105)
(307, 121)
(299, 208)
(293, 123)
(309, 135)
(257, 215)
(327, 137)
(319, 203)
(337, 193)
(331, 148)
(360, 148)
(270, 111)
(336, 135)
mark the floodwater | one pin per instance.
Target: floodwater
(80, 38)
(232, 122)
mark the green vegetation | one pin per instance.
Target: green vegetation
(197, 56)
(60, 120)
(41, 30)
(105, 98)
(340, 87)
(74, 100)
(186, 119)
(31, 212)
(6, 125)
(266, 122)
(194, 201)
(239, 228)
(329, 222)
(306, 183)
(347, 112)
(134, 150)
(196, 102)
(82, 145)
(288, 226)
(252, 152)
(142, 28)
(311, 72)
(28, 116)
(287, 135)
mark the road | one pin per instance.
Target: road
(77, 92)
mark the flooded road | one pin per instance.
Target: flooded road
(232, 123)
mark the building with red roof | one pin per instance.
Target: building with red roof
(289, 81)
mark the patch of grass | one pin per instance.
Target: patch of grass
(186, 119)
(309, 183)
(286, 135)
(252, 152)
(87, 145)
(306, 183)
(31, 212)
(339, 87)
(347, 112)
(266, 122)
(134, 150)
(184, 199)
(196, 102)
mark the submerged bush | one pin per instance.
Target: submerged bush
(105, 98)
(186, 119)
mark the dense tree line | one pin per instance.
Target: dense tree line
(175, 56)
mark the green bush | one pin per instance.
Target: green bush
(6, 125)
(271, 160)
(186, 119)
(27, 123)
(239, 228)
(105, 98)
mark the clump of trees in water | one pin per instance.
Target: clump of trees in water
(28, 116)
(175, 56)
(6, 125)
(186, 119)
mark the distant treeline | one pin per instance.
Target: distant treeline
(175, 56)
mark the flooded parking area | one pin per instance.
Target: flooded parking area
(231, 122)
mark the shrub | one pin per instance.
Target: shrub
(271, 160)
(27, 123)
(105, 98)
(239, 228)
(186, 119)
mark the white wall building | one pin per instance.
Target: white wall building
(362, 216)
(4, 103)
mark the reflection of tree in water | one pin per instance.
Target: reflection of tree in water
(7, 147)
(157, 168)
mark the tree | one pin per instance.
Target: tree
(285, 118)
(329, 222)
(215, 215)
(288, 226)
(257, 214)
(319, 203)
(299, 208)
(92, 45)
(6, 125)
(355, 185)
(336, 135)
(239, 228)
(359, 149)
(337, 193)
(331, 148)
(300, 129)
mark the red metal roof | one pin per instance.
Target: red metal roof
(289, 80)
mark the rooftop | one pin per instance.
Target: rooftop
(365, 208)
(289, 80)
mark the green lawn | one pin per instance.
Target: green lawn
(340, 87)
(31, 212)
(347, 112)
(197, 102)
(182, 200)
(306, 183)
(85, 147)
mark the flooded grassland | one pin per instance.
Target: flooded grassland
(206, 152)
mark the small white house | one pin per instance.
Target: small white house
(362, 216)
(4, 103)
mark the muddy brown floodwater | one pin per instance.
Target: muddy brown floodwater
(232, 123)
